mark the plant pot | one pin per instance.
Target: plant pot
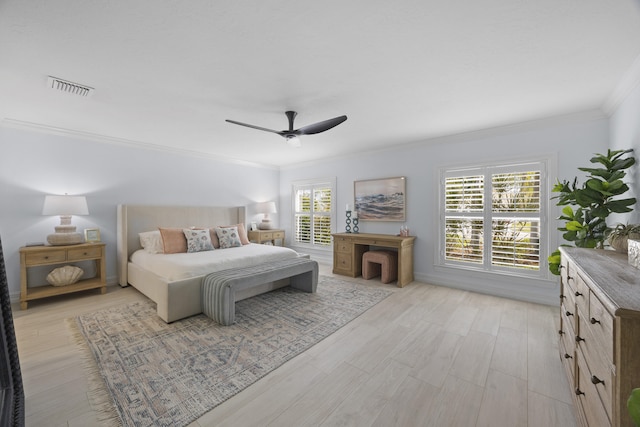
(620, 243)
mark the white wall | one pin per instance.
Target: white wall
(624, 134)
(34, 164)
(572, 140)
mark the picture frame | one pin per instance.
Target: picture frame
(91, 235)
(254, 226)
(381, 199)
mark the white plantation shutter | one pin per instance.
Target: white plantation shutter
(313, 212)
(464, 199)
(515, 227)
(503, 203)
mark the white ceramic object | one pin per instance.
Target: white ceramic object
(63, 276)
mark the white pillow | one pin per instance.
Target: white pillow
(228, 237)
(151, 241)
(197, 240)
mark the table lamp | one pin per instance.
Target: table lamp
(265, 208)
(65, 206)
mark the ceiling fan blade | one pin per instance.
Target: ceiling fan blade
(320, 126)
(255, 127)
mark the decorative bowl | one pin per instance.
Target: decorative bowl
(63, 276)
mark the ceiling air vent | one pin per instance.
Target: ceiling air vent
(69, 87)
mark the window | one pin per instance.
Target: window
(492, 218)
(313, 211)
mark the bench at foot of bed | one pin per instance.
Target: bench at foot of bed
(219, 288)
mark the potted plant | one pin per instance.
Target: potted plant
(587, 206)
(620, 235)
(633, 405)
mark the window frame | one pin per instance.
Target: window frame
(312, 184)
(487, 170)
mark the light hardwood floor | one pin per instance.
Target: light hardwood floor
(425, 356)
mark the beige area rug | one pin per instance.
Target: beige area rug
(157, 374)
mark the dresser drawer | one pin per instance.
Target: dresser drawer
(599, 367)
(601, 326)
(46, 257)
(568, 354)
(569, 320)
(278, 235)
(84, 253)
(581, 293)
(266, 236)
(588, 396)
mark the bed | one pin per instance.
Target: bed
(176, 292)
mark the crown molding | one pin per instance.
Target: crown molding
(625, 86)
(105, 139)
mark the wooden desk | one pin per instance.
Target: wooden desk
(349, 247)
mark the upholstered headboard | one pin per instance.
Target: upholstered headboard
(134, 219)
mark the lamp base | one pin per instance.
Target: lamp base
(265, 225)
(57, 239)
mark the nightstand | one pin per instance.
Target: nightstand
(261, 236)
(57, 256)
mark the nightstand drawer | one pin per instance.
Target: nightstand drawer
(84, 253)
(266, 236)
(278, 235)
(45, 257)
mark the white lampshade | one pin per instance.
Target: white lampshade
(266, 207)
(65, 205)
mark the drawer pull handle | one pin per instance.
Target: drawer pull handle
(568, 313)
(578, 294)
(561, 332)
(568, 356)
(84, 253)
(562, 296)
(579, 392)
(46, 257)
(596, 380)
(560, 267)
(569, 278)
(594, 321)
(579, 338)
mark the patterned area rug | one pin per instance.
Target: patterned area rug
(159, 374)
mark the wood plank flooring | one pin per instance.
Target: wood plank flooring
(425, 356)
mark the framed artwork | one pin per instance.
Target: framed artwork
(91, 235)
(381, 199)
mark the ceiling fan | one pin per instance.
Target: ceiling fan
(291, 135)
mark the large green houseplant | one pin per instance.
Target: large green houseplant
(587, 206)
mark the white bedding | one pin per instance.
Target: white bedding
(184, 265)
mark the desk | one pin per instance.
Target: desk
(349, 247)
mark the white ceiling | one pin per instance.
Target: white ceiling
(168, 73)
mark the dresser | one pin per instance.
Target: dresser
(57, 256)
(348, 249)
(600, 333)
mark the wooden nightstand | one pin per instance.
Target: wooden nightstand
(34, 256)
(261, 236)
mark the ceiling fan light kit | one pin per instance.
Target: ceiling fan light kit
(292, 135)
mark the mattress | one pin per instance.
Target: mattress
(185, 265)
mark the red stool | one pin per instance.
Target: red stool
(380, 263)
